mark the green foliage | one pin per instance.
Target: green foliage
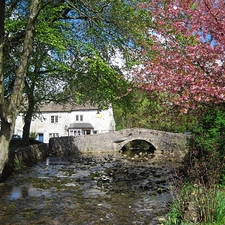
(197, 204)
(55, 37)
(33, 135)
(18, 163)
(219, 215)
(74, 45)
(155, 112)
(98, 82)
(174, 215)
(204, 170)
(222, 178)
(210, 131)
(205, 162)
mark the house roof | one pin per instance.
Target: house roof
(81, 126)
(52, 107)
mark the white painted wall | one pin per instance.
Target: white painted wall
(102, 123)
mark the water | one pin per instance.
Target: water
(87, 189)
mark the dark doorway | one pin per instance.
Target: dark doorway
(87, 132)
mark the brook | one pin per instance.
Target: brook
(88, 189)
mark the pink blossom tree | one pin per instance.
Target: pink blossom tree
(188, 42)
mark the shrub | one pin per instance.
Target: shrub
(33, 135)
(205, 162)
(201, 201)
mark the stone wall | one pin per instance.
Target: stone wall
(27, 156)
(59, 146)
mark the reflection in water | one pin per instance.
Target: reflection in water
(28, 190)
(18, 192)
(15, 193)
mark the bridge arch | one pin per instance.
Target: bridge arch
(136, 143)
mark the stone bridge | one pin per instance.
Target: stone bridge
(163, 142)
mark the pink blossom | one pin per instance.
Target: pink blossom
(187, 58)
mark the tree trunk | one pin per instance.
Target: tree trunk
(4, 142)
(9, 108)
(26, 128)
(27, 122)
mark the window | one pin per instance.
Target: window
(54, 119)
(79, 117)
(53, 135)
(75, 132)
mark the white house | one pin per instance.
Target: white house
(63, 120)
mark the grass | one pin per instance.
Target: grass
(219, 215)
(209, 206)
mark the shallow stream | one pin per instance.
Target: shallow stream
(87, 189)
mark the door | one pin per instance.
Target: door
(41, 137)
(87, 132)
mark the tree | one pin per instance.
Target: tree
(99, 29)
(153, 113)
(188, 46)
(189, 64)
(9, 107)
(76, 61)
